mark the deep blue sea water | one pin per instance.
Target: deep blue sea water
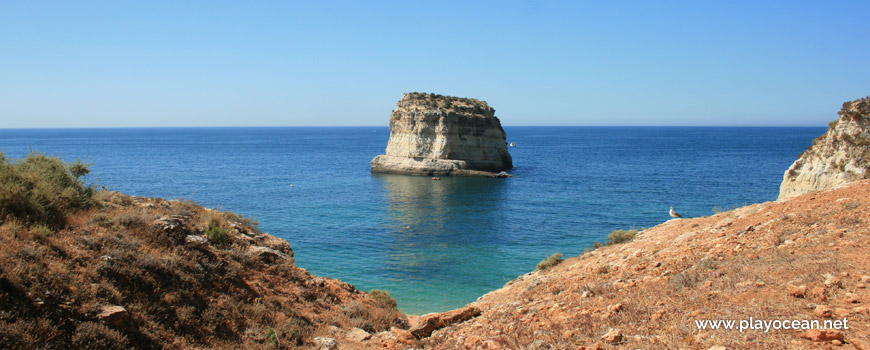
(435, 245)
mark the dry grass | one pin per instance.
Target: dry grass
(734, 265)
(57, 274)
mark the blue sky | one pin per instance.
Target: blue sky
(261, 63)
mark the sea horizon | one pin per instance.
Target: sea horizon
(387, 126)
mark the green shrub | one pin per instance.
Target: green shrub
(216, 234)
(41, 190)
(12, 226)
(383, 297)
(553, 260)
(707, 264)
(103, 219)
(272, 337)
(621, 236)
(40, 230)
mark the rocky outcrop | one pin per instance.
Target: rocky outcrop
(443, 135)
(839, 156)
(147, 273)
(641, 294)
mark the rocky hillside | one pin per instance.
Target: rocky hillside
(805, 258)
(443, 135)
(88, 269)
(841, 155)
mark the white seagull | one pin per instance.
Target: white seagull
(674, 214)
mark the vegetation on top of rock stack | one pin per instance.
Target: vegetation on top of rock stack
(460, 105)
(118, 271)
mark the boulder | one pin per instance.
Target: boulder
(614, 336)
(325, 343)
(431, 322)
(358, 335)
(822, 335)
(823, 311)
(113, 315)
(267, 255)
(195, 241)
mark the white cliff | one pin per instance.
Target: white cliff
(840, 155)
(443, 135)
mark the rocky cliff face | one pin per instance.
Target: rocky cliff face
(442, 135)
(841, 155)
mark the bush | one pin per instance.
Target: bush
(833, 123)
(707, 264)
(12, 226)
(40, 230)
(683, 280)
(216, 231)
(621, 236)
(383, 297)
(103, 219)
(216, 234)
(553, 260)
(41, 190)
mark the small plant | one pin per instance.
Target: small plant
(683, 280)
(12, 226)
(833, 123)
(851, 205)
(383, 297)
(103, 220)
(621, 236)
(708, 264)
(130, 220)
(272, 337)
(603, 269)
(596, 245)
(215, 231)
(216, 234)
(40, 230)
(553, 260)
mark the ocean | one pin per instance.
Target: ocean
(435, 245)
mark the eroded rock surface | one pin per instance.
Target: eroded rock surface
(839, 156)
(443, 135)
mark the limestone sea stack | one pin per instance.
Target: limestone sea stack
(840, 155)
(439, 135)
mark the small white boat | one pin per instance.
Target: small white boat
(513, 144)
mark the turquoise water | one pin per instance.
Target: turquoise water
(435, 245)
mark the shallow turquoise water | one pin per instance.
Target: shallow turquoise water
(435, 245)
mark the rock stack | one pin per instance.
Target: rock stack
(840, 155)
(439, 135)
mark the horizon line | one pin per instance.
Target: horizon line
(387, 126)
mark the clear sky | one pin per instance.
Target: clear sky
(263, 63)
